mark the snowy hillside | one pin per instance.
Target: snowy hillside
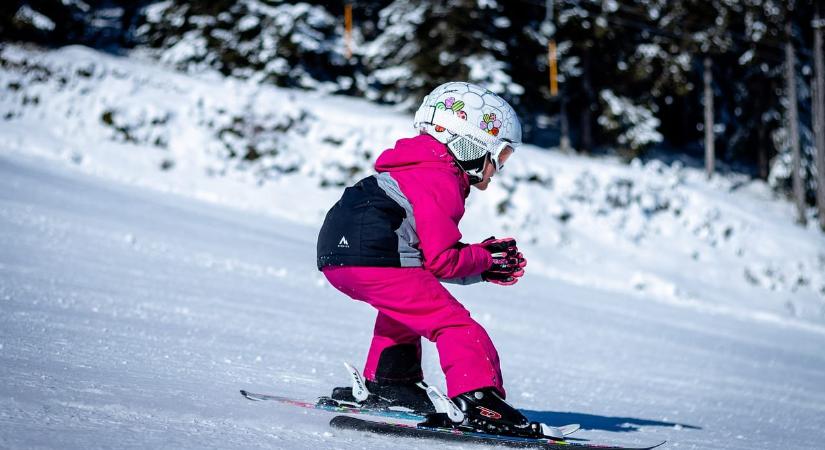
(726, 246)
(663, 306)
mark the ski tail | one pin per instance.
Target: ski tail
(567, 430)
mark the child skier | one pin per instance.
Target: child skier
(393, 238)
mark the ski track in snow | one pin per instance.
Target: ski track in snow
(130, 318)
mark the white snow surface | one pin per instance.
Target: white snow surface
(147, 272)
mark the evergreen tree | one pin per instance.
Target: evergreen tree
(630, 71)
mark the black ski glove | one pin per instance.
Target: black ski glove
(508, 263)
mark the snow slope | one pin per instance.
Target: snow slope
(130, 319)
(148, 271)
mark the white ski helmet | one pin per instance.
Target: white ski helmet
(472, 121)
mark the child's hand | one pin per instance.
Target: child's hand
(508, 263)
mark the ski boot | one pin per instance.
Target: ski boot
(486, 412)
(401, 396)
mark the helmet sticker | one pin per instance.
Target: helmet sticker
(450, 104)
(490, 124)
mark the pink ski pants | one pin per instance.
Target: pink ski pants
(412, 303)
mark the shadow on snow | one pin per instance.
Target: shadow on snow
(594, 422)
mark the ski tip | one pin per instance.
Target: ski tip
(658, 445)
(247, 395)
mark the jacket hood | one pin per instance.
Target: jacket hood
(422, 151)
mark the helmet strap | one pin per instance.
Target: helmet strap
(474, 168)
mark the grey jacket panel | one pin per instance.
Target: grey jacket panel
(407, 236)
(464, 280)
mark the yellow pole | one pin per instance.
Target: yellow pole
(348, 28)
(552, 64)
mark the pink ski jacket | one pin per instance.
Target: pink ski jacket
(405, 216)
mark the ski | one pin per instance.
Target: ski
(426, 432)
(331, 405)
(328, 404)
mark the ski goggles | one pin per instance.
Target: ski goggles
(499, 155)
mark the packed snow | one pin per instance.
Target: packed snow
(158, 244)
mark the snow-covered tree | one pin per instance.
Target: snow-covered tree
(297, 45)
(422, 44)
(648, 53)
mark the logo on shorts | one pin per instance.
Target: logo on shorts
(343, 242)
(489, 413)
